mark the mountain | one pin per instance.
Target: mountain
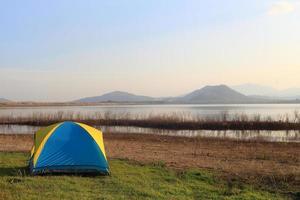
(268, 92)
(214, 94)
(116, 96)
(2, 100)
(291, 92)
(254, 89)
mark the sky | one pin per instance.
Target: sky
(62, 50)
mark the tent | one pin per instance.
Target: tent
(68, 147)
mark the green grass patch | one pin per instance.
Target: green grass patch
(128, 181)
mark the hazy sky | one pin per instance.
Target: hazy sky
(65, 49)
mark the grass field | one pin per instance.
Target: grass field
(129, 180)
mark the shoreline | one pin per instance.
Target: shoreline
(254, 139)
(167, 124)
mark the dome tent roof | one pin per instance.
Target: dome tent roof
(68, 147)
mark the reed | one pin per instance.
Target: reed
(173, 121)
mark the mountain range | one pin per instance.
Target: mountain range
(205, 95)
(246, 93)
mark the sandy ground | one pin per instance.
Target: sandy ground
(244, 159)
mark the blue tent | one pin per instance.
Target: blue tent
(68, 147)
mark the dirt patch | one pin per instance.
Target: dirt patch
(16, 142)
(225, 155)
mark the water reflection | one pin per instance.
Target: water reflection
(18, 129)
(273, 136)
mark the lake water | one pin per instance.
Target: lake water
(265, 110)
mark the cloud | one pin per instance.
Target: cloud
(281, 7)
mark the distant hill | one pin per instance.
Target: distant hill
(214, 94)
(2, 100)
(116, 96)
(254, 89)
(268, 92)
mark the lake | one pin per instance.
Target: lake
(265, 110)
